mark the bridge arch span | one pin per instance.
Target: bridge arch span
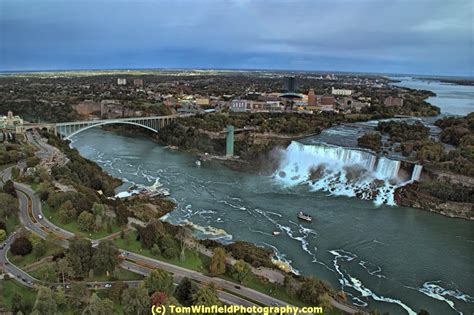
(102, 123)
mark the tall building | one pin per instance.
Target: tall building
(290, 85)
(121, 81)
(312, 98)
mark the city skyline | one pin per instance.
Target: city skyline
(422, 37)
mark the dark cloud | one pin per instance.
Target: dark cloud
(419, 36)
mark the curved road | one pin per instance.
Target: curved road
(134, 262)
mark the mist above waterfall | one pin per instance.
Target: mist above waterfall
(341, 171)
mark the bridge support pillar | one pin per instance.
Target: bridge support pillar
(230, 141)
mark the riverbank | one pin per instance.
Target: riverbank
(166, 240)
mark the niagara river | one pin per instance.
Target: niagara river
(388, 258)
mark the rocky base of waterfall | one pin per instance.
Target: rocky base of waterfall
(411, 196)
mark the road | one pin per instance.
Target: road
(135, 262)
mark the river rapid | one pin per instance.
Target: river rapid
(390, 258)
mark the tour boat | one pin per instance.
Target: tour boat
(275, 233)
(198, 162)
(305, 217)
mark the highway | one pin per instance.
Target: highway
(140, 264)
(27, 198)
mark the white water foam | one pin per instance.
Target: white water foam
(436, 291)
(346, 280)
(341, 171)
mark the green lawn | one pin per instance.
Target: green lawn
(124, 275)
(194, 261)
(10, 287)
(22, 261)
(198, 262)
(5, 166)
(73, 226)
(12, 223)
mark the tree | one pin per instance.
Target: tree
(136, 300)
(21, 246)
(99, 209)
(9, 188)
(217, 265)
(159, 280)
(185, 291)
(168, 246)
(423, 312)
(67, 215)
(46, 272)
(60, 298)
(371, 141)
(98, 306)
(3, 235)
(79, 256)
(183, 236)
(8, 206)
(158, 298)
(148, 235)
(105, 258)
(64, 270)
(116, 291)
(39, 249)
(241, 271)
(171, 301)
(206, 296)
(312, 290)
(155, 250)
(86, 221)
(78, 293)
(45, 304)
(292, 286)
(17, 303)
(325, 301)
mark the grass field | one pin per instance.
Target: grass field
(22, 261)
(12, 223)
(10, 287)
(194, 260)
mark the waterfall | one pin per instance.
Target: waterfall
(340, 171)
(415, 175)
(387, 168)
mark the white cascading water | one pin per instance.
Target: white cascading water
(341, 171)
(416, 172)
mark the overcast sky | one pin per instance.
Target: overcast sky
(396, 36)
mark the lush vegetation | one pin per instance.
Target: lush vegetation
(446, 191)
(12, 153)
(401, 131)
(371, 141)
(459, 132)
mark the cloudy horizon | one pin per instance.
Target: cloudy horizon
(415, 37)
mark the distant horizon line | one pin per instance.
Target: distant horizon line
(238, 70)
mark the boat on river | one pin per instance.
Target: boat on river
(305, 217)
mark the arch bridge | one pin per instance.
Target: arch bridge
(68, 129)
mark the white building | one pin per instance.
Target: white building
(121, 81)
(238, 106)
(342, 92)
(11, 123)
